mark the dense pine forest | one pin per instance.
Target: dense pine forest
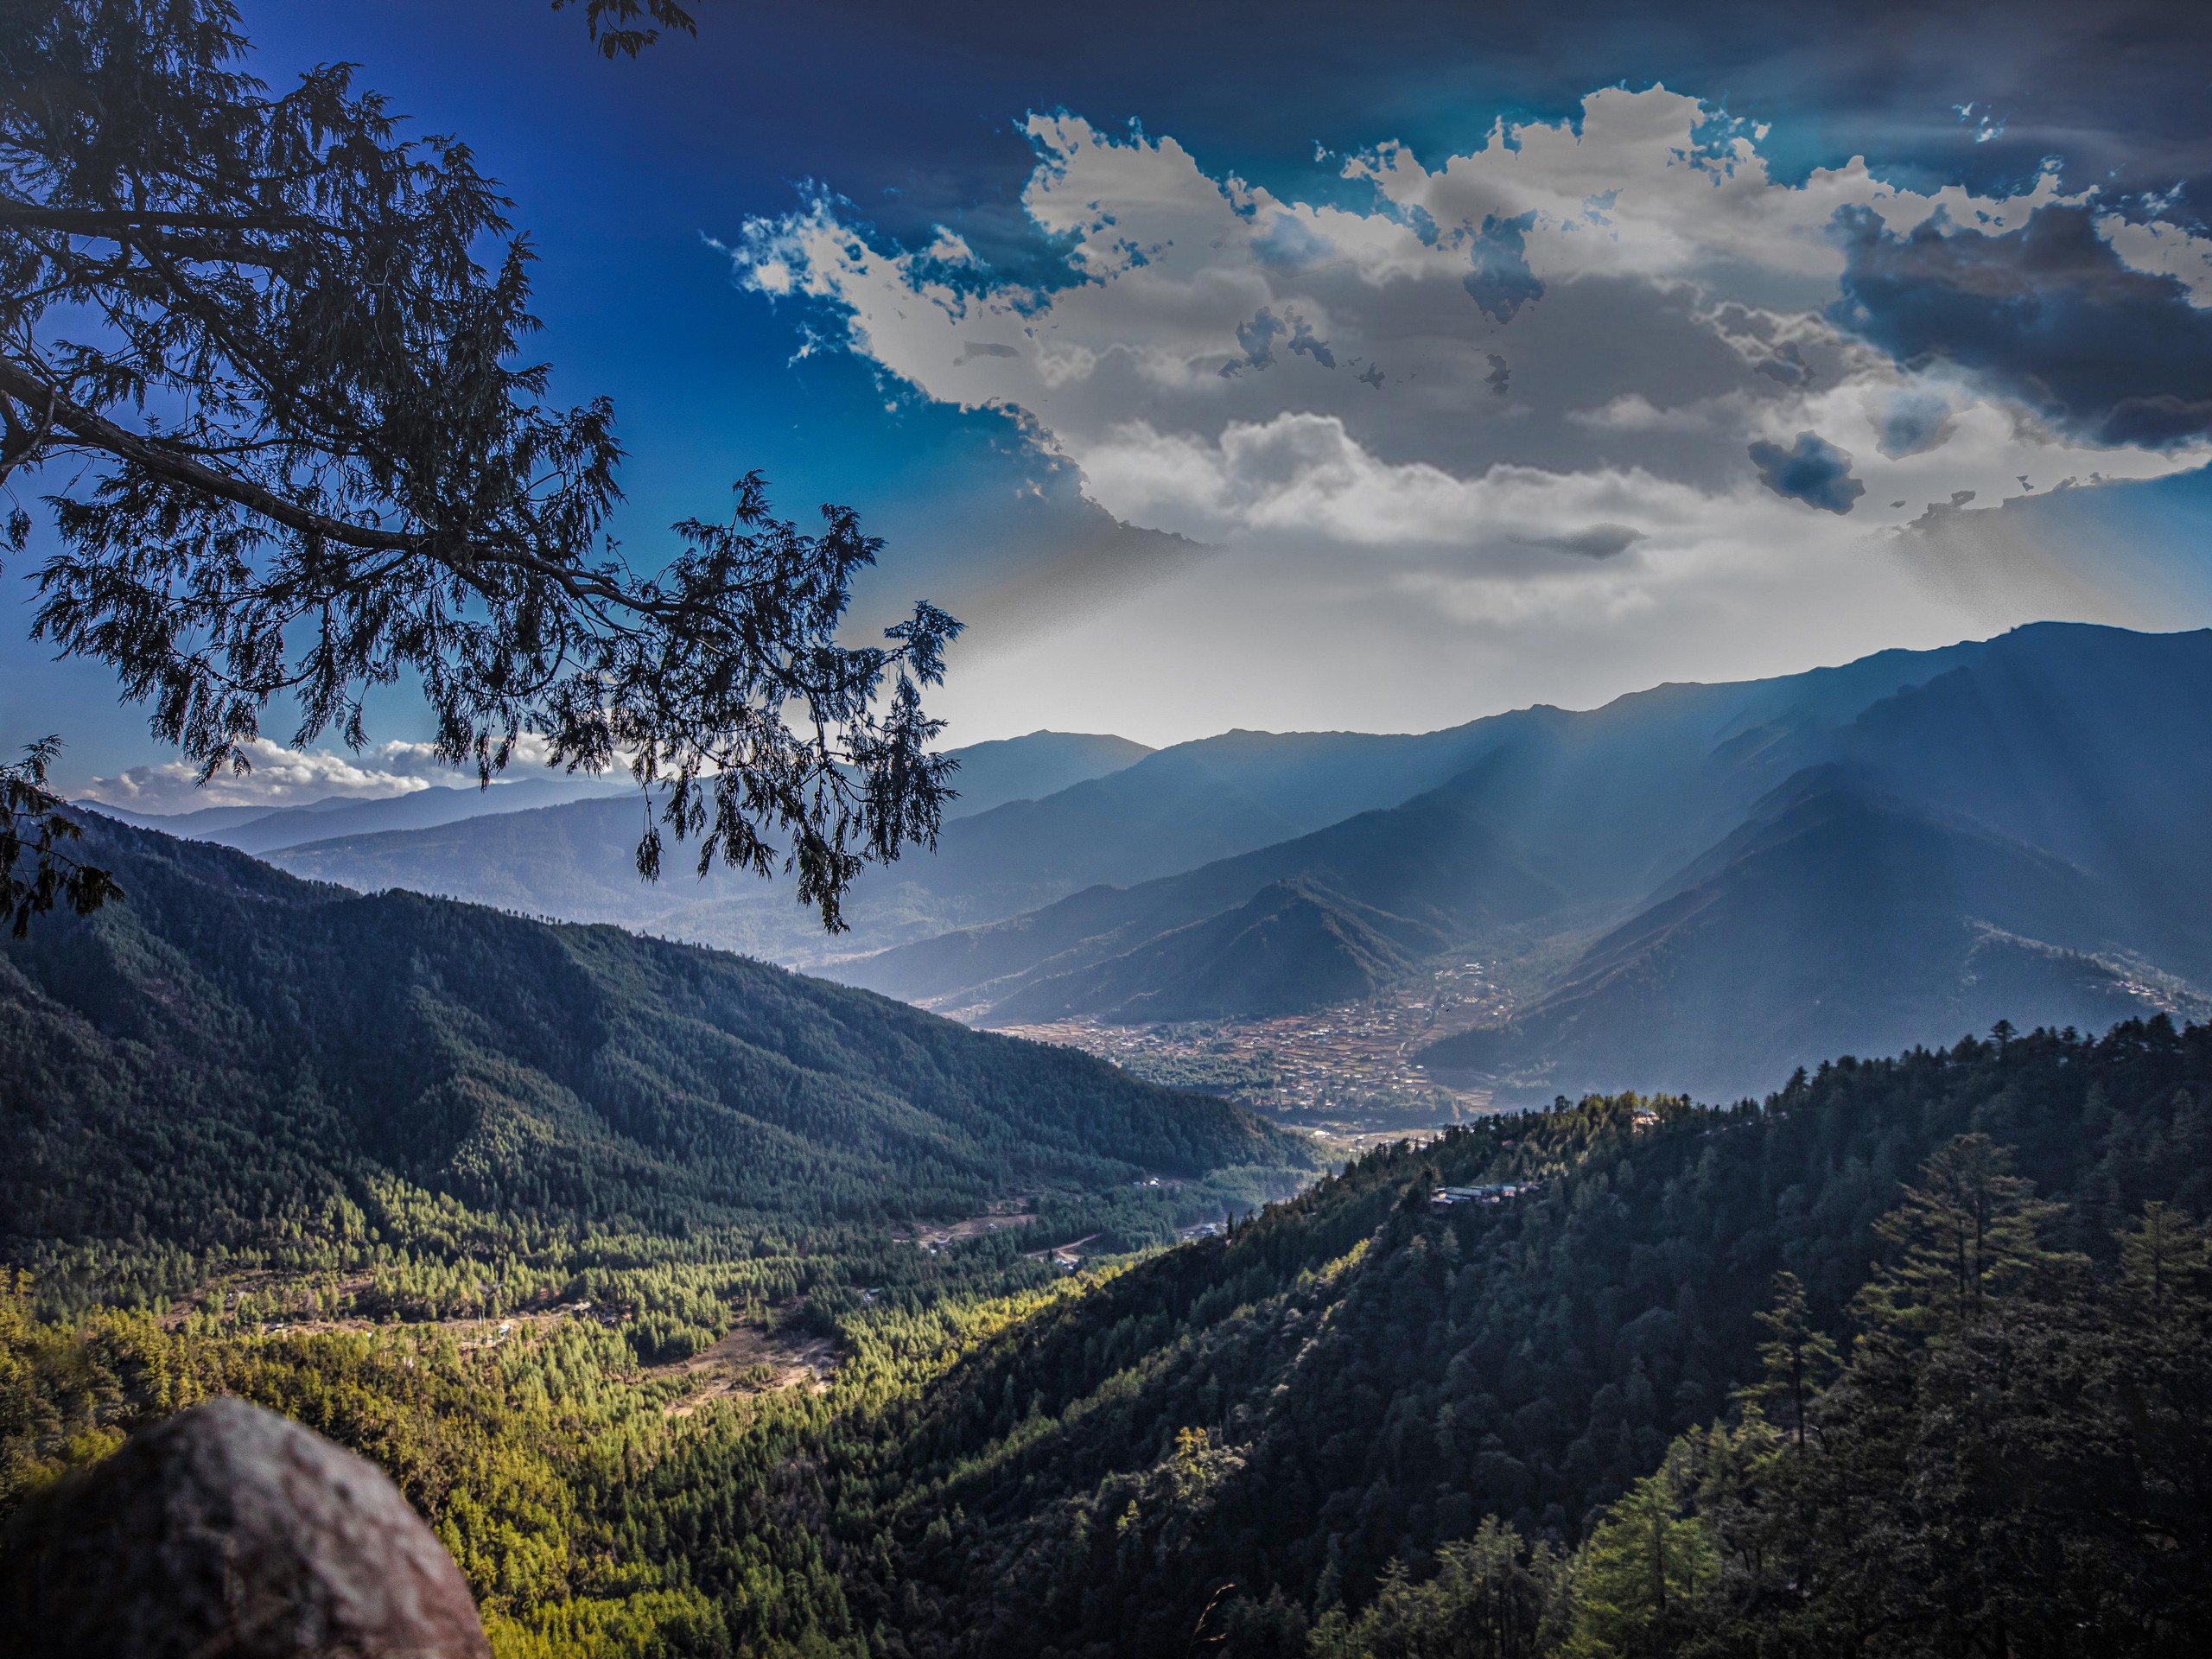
(399, 1106)
(1909, 1357)
(1277, 1425)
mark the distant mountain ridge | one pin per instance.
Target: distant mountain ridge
(1840, 920)
(990, 775)
(1566, 808)
(1437, 863)
(1850, 860)
(264, 830)
(577, 861)
(1177, 810)
(1029, 768)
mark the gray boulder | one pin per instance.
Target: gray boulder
(229, 1530)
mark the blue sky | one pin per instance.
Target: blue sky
(1389, 370)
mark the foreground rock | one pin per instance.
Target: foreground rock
(231, 1530)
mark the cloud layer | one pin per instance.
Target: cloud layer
(1591, 368)
(282, 777)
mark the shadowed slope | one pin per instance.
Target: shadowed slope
(1290, 947)
(1840, 919)
(1436, 865)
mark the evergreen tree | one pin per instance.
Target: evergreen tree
(1796, 1358)
(1639, 1584)
(2164, 1259)
(1968, 1229)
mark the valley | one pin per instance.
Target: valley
(999, 831)
(1336, 1071)
(709, 1307)
(1697, 887)
(1305, 1403)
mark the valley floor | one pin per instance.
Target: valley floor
(1345, 1072)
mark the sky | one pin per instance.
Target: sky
(1314, 368)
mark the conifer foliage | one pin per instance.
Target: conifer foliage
(37, 862)
(1901, 1360)
(282, 339)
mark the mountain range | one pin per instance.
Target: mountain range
(260, 829)
(1851, 860)
(577, 861)
(1172, 811)
(990, 774)
(1672, 888)
(1837, 920)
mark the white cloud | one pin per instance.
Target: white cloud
(2158, 249)
(282, 777)
(1634, 412)
(1427, 411)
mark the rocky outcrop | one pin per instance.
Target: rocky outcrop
(229, 1530)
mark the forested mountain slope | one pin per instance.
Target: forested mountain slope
(1262, 1425)
(1365, 1425)
(231, 1058)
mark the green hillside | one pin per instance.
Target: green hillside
(1264, 1424)
(1589, 1418)
(233, 1062)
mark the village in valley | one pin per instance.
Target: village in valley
(1346, 1074)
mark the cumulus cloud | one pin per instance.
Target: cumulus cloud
(1426, 397)
(2159, 249)
(282, 777)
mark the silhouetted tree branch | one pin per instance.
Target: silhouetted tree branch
(34, 832)
(625, 27)
(282, 341)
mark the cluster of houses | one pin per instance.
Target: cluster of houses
(1444, 1196)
